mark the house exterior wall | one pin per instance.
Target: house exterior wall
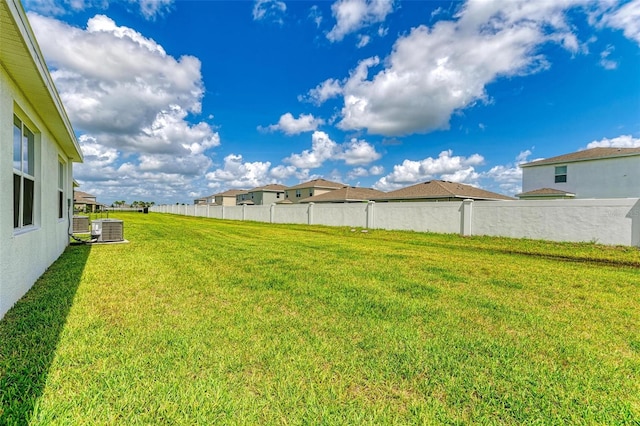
(603, 178)
(265, 198)
(27, 253)
(225, 201)
(304, 193)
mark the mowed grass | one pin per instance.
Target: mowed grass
(201, 321)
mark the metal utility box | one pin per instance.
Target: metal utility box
(107, 230)
(80, 224)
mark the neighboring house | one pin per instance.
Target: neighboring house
(347, 194)
(227, 198)
(297, 193)
(268, 194)
(37, 150)
(200, 201)
(440, 190)
(591, 173)
(243, 198)
(83, 202)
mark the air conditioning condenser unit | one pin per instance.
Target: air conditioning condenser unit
(107, 230)
(80, 224)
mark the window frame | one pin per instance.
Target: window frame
(560, 174)
(62, 167)
(25, 181)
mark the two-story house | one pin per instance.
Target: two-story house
(591, 173)
(297, 193)
(268, 194)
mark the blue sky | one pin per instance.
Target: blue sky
(172, 99)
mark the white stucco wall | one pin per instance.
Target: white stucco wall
(350, 214)
(291, 213)
(26, 254)
(443, 217)
(607, 221)
(605, 178)
(257, 213)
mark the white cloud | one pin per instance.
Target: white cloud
(315, 15)
(446, 167)
(290, 125)
(239, 174)
(605, 62)
(149, 9)
(507, 178)
(131, 101)
(432, 72)
(363, 172)
(326, 90)
(352, 15)
(354, 152)
(363, 40)
(112, 79)
(322, 149)
(627, 19)
(624, 141)
(357, 152)
(272, 10)
(376, 170)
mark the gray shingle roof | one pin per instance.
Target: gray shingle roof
(542, 192)
(585, 155)
(318, 183)
(436, 189)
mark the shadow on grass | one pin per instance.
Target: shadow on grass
(29, 335)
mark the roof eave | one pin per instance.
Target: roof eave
(52, 108)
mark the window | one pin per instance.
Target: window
(298, 194)
(23, 174)
(561, 174)
(277, 195)
(60, 189)
(310, 192)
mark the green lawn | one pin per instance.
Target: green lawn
(201, 321)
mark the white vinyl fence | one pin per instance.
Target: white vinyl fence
(613, 221)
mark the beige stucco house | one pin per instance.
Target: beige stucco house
(37, 150)
(295, 194)
(227, 198)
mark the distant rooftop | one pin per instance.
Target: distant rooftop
(437, 189)
(345, 195)
(585, 155)
(319, 183)
(546, 192)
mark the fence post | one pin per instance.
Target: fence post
(223, 211)
(370, 217)
(467, 213)
(272, 211)
(310, 214)
(243, 207)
